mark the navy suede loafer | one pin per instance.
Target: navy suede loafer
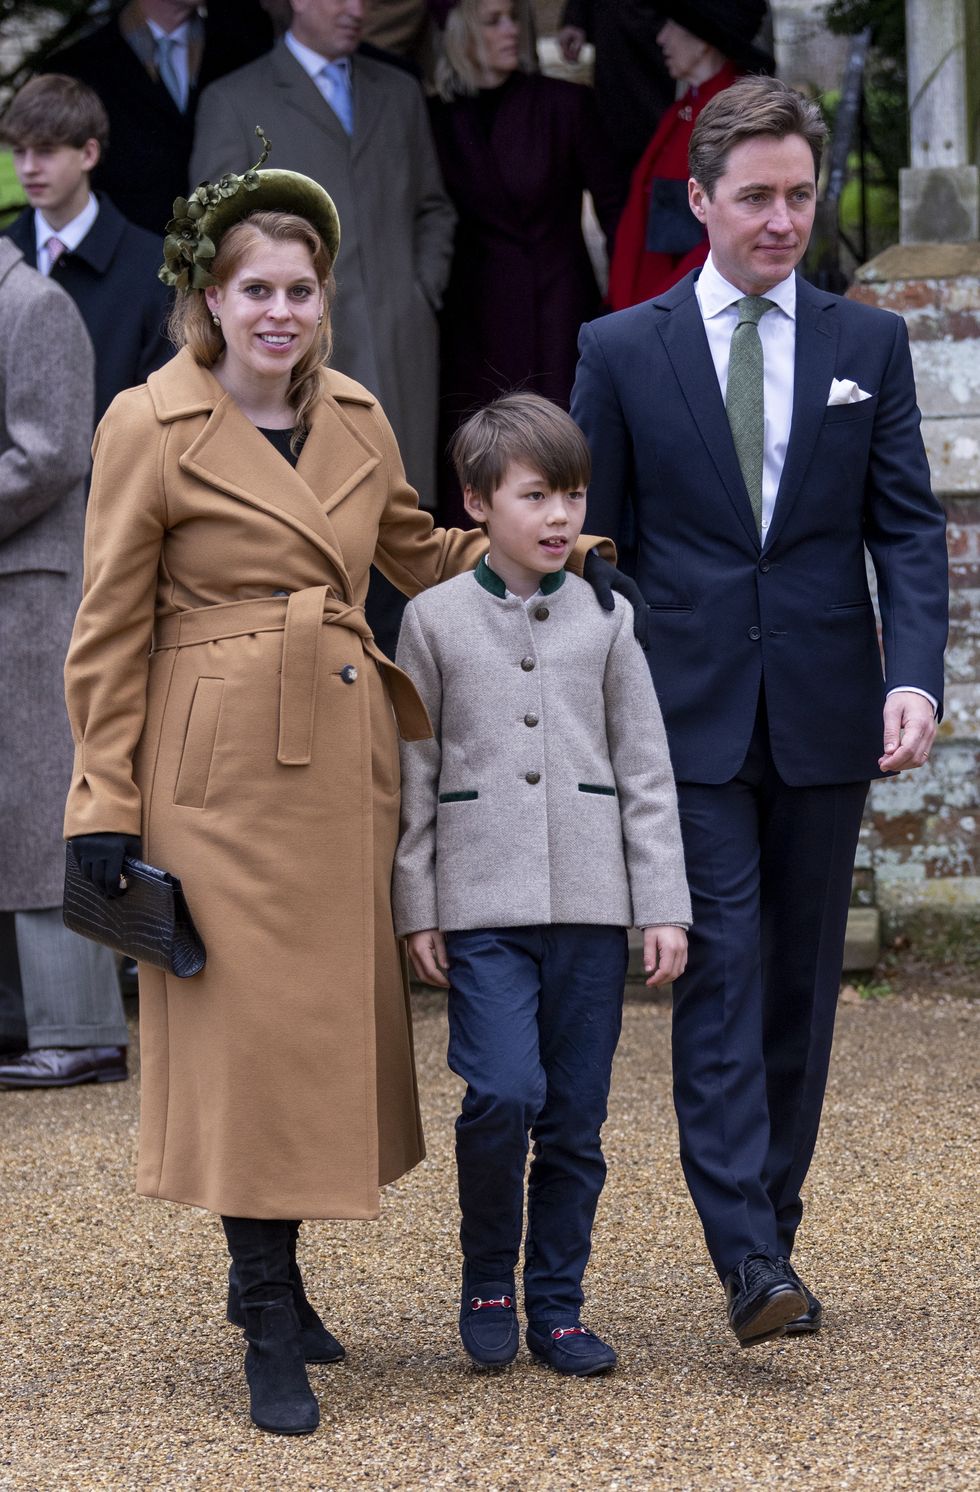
(571, 1349)
(812, 1318)
(762, 1299)
(488, 1323)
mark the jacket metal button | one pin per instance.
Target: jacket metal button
(530, 719)
(533, 777)
(349, 673)
(755, 633)
(527, 664)
(542, 613)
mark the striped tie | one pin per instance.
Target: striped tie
(745, 396)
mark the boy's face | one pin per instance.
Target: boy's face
(55, 177)
(532, 530)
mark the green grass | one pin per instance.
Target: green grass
(12, 197)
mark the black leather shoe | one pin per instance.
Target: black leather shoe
(812, 1318)
(571, 1349)
(488, 1323)
(64, 1066)
(762, 1299)
(318, 1344)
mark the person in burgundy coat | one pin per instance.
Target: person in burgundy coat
(707, 44)
(517, 151)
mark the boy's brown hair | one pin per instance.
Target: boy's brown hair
(750, 108)
(55, 110)
(526, 428)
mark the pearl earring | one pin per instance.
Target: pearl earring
(215, 319)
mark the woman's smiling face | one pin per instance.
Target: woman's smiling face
(269, 309)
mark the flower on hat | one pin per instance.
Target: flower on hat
(187, 248)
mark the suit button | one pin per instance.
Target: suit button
(527, 664)
(764, 566)
(533, 777)
(530, 719)
(755, 633)
(542, 613)
(349, 673)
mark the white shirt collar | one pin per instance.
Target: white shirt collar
(716, 294)
(72, 233)
(311, 62)
(180, 34)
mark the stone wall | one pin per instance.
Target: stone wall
(920, 847)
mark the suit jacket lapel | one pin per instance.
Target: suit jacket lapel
(686, 345)
(814, 363)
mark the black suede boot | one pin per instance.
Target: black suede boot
(281, 1398)
(319, 1345)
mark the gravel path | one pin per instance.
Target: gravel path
(116, 1370)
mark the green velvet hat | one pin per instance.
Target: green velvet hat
(201, 220)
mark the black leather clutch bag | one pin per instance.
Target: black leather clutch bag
(150, 922)
(672, 227)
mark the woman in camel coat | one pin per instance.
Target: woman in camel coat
(235, 721)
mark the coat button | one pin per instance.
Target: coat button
(530, 719)
(755, 633)
(542, 613)
(349, 673)
(533, 777)
(764, 566)
(527, 664)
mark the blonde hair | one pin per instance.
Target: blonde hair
(191, 324)
(458, 66)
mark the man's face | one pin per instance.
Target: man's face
(760, 219)
(169, 14)
(55, 177)
(330, 27)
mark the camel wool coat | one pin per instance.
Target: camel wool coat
(230, 706)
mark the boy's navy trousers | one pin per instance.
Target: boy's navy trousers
(534, 1018)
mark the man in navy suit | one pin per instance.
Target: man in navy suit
(762, 436)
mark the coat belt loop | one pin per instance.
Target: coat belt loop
(300, 666)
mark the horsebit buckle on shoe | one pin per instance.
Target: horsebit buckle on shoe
(477, 1304)
(570, 1331)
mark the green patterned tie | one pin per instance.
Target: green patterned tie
(744, 398)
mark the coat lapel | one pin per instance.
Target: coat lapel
(814, 363)
(682, 332)
(296, 90)
(370, 102)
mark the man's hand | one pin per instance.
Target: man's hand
(427, 951)
(910, 729)
(604, 579)
(571, 39)
(664, 954)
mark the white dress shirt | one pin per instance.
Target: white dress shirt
(180, 56)
(777, 331)
(313, 64)
(70, 235)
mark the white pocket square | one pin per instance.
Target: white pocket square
(845, 391)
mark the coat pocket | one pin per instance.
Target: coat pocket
(464, 797)
(195, 758)
(593, 787)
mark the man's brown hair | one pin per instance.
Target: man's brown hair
(520, 428)
(55, 110)
(749, 108)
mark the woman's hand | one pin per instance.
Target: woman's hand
(604, 579)
(664, 954)
(427, 951)
(100, 859)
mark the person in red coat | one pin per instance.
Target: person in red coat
(707, 44)
(517, 151)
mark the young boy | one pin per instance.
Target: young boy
(537, 826)
(57, 130)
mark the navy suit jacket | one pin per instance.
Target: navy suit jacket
(725, 614)
(112, 278)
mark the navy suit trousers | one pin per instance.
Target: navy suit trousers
(769, 867)
(534, 1018)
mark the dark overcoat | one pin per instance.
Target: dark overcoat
(112, 278)
(45, 432)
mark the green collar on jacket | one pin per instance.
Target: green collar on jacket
(492, 582)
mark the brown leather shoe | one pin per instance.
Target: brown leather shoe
(64, 1066)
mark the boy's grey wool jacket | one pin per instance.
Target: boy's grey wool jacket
(546, 794)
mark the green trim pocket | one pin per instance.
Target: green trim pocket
(591, 787)
(457, 797)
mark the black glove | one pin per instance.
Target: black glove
(604, 578)
(100, 859)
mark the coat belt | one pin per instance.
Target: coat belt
(299, 618)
